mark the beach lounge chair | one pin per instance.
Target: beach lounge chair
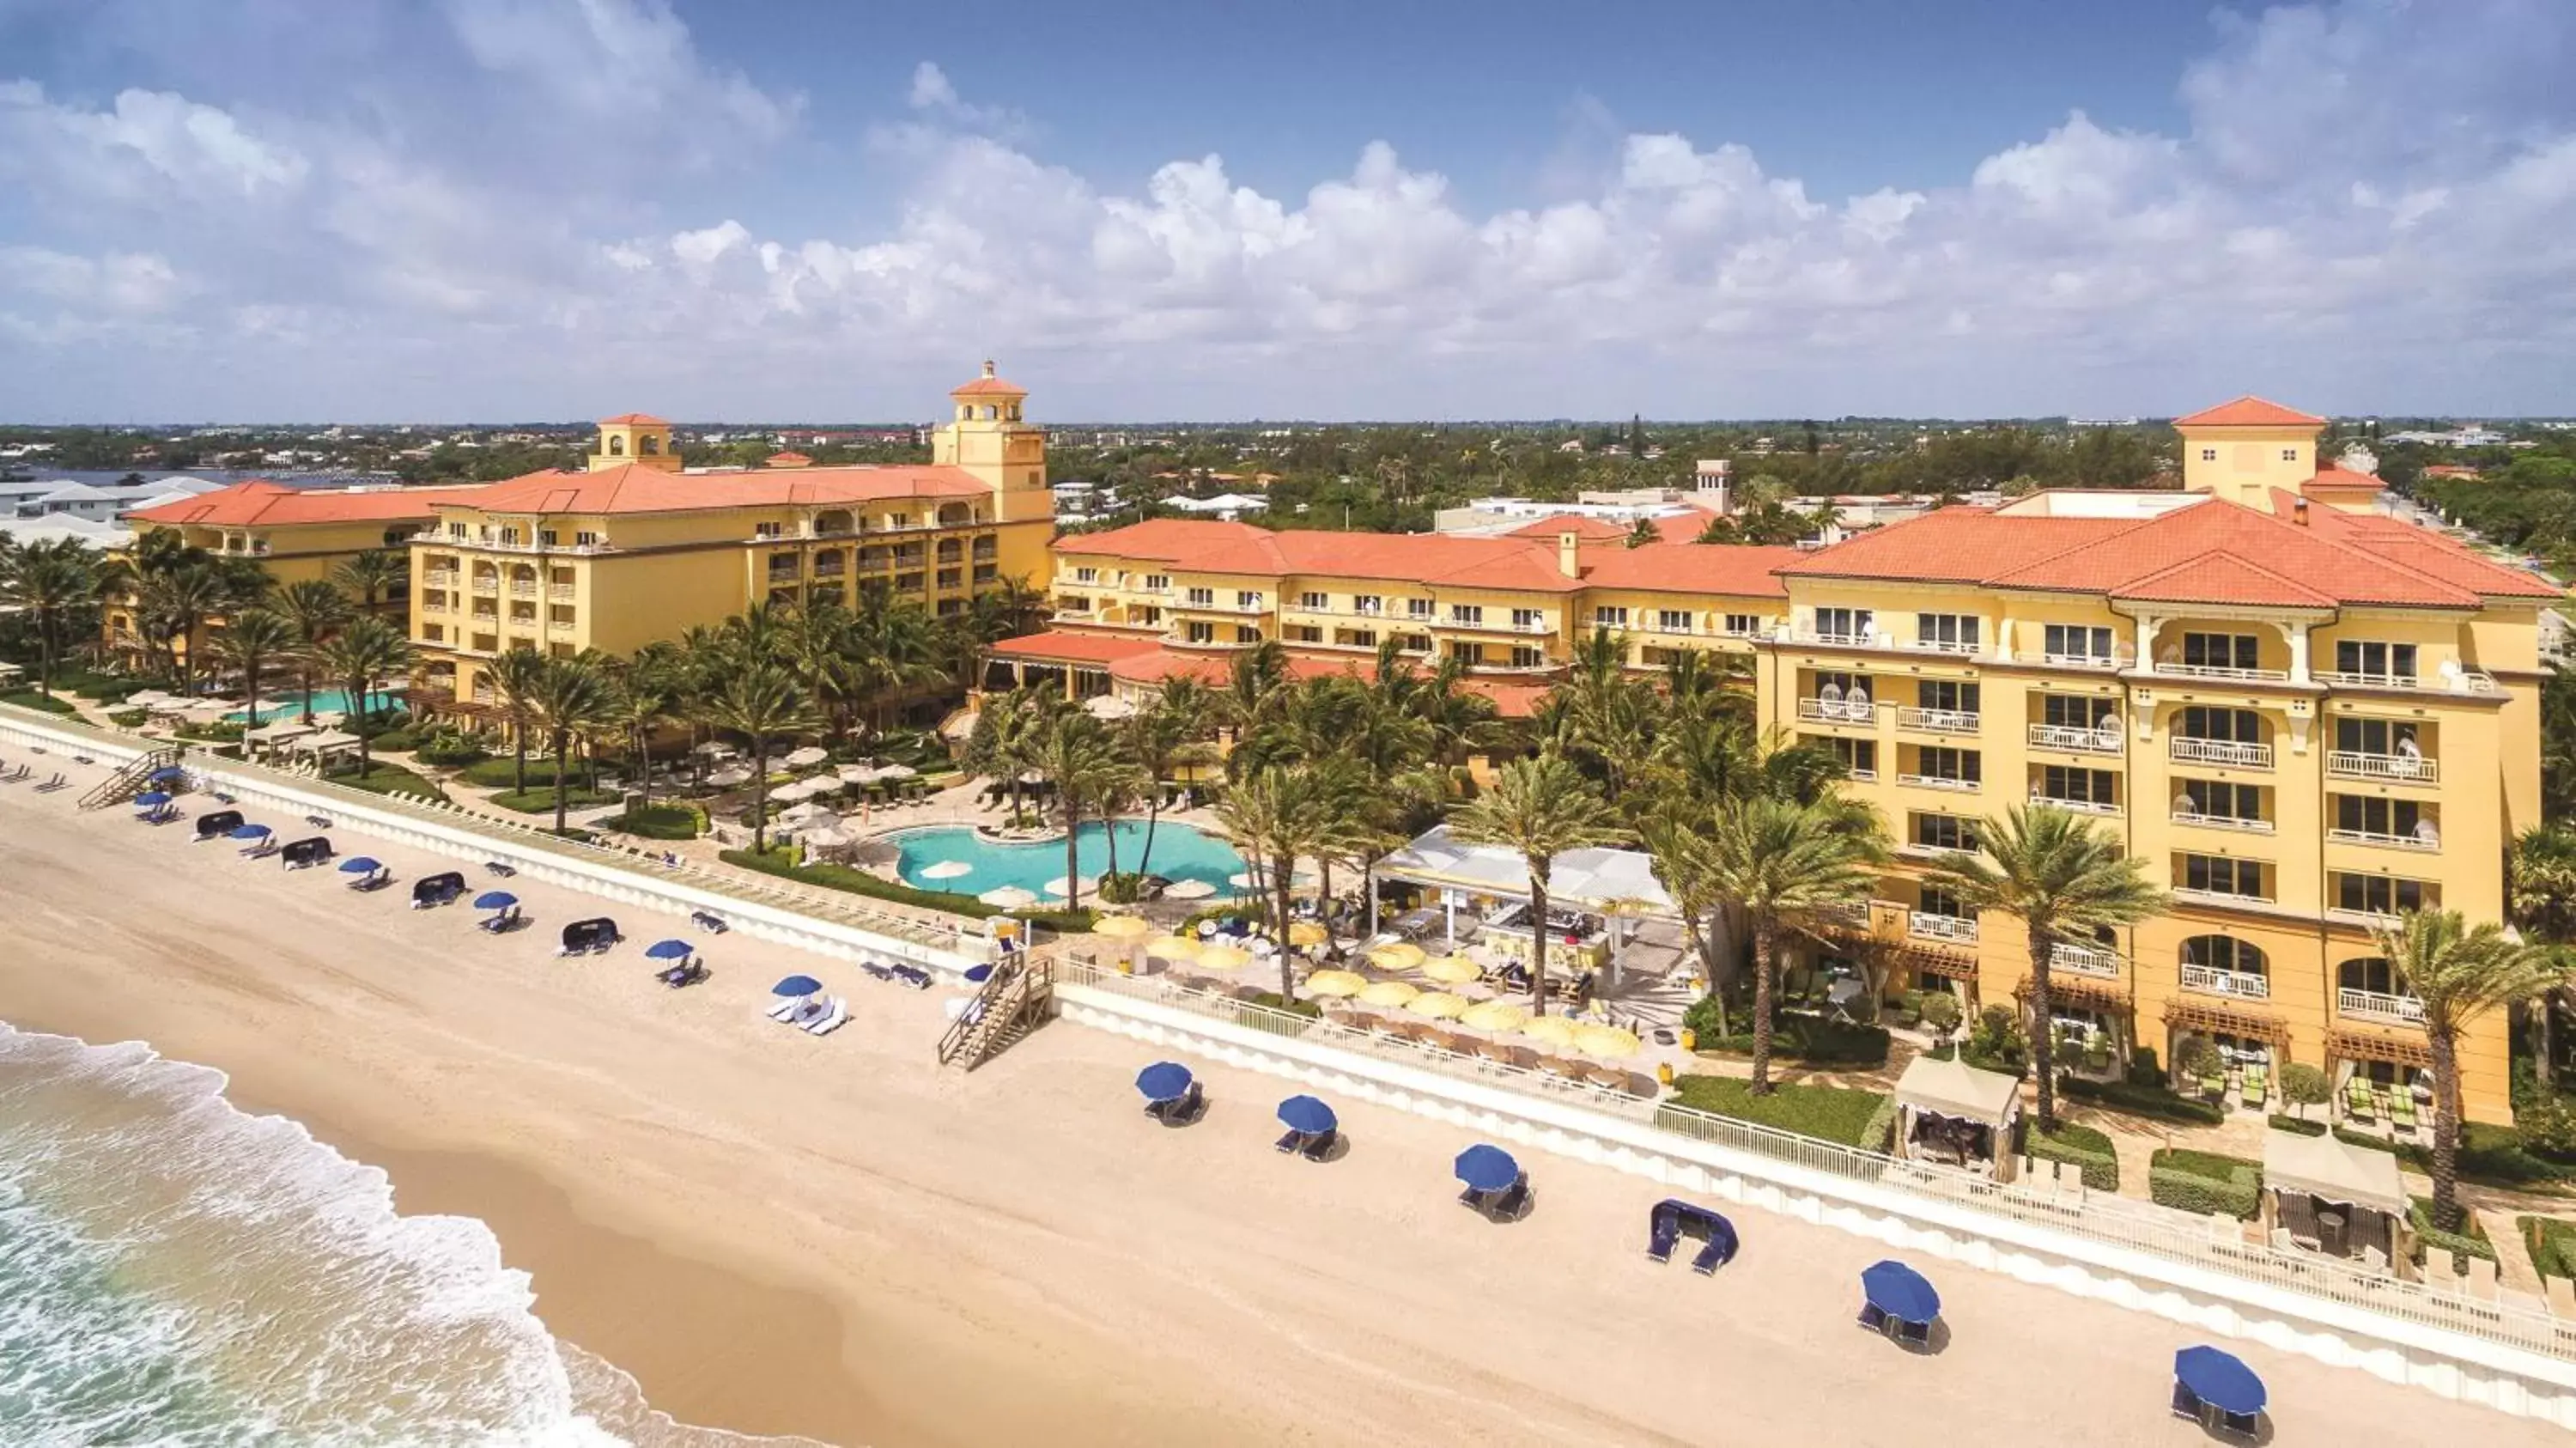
(2357, 1099)
(708, 921)
(495, 867)
(2401, 1110)
(1664, 1231)
(912, 975)
(259, 849)
(1290, 1141)
(319, 822)
(835, 1014)
(1718, 1251)
(784, 1007)
(1189, 1106)
(53, 784)
(1513, 1204)
(1320, 1145)
(876, 971)
(2256, 1087)
(500, 922)
(687, 972)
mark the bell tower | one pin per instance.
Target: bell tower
(634, 437)
(989, 438)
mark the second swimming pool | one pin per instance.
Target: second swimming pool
(1181, 852)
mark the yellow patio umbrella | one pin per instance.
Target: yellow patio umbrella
(1389, 993)
(1173, 947)
(1306, 932)
(1437, 1004)
(1401, 955)
(1554, 1030)
(1223, 957)
(1452, 970)
(1336, 983)
(1494, 1016)
(1607, 1042)
(1124, 927)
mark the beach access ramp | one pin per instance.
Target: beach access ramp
(1010, 1001)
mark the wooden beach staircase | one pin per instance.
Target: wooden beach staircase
(129, 781)
(1013, 999)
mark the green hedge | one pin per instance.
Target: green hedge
(1305, 1008)
(105, 688)
(220, 731)
(2552, 1243)
(2473, 1243)
(394, 741)
(781, 861)
(2082, 1147)
(2204, 1181)
(1828, 1113)
(540, 799)
(2138, 1100)
(130, 718)
(2490, 1155)
(2297, 1125)
(453, 753)
(1879, 1132)
(1810, 1039)
(662, 822)
(30, 699)
(388, 779)
(502, 772)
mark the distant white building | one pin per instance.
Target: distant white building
(1225, 507)
(2467, 434)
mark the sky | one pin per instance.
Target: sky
(813, 210)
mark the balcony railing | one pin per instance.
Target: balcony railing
(1938, 721)
(1838, 711)
(2408, 768)
(2242, 984)
(2076, 738)
(2217, 897)
(2090, 960)
(2233, 752)
(1939, 781)
(1944, 646)
(2225, 671)
(2372, 1005)
(488, 586)
(1838, 638)
(439, 577)
(2457, 681)
(2348, 678)
(523, 588)
(1925, 926)
(2083, 661)
(561, 592)
(2222, 822)
(2432, 841)
(2077, 806)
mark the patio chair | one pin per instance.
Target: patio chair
(2255, 1088)
(1719, 1251)
(1513, 1204)
(1876, 1321)
(1319, 1147)
(2401, 1110)
(2097, 1056)
(2357, 1100)
(2561, 1294)
(2214, 1085)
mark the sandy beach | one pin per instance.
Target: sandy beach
(835, 1238)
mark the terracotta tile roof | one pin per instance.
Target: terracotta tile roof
(1953, 545)
(1590, 530)
(1062, 647)
(259, 503)
(989, 385)
(787, 460)
(2323, 566)
(1512, 699)
(2334, 477)
(1735, 571)
(634, 488)
(633, 419)
(1510, 563)
(1163, 540)
(2221, 578)
(2249, 411)
(2421, 549)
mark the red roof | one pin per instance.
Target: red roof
(1589, 529)
(2333, 478)
(1508, 562)
(787, 460)
(1512, 698)
(634, 488)
(2420, 549)
(2249, 411)
(2221, 578)
(259, 503)
(1953, 545)
(1163, 540)
(1742, 571)
(633, 419)
(1057, 646)
(989, 385)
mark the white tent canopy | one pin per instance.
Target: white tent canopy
(1957, 1089)
(2333, 1170)
(1596, 880)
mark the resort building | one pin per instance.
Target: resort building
(637, 548)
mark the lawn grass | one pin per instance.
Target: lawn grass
(382, 778)
(1828, 1113)
(542, 801)
(660, 822)
(31, 699)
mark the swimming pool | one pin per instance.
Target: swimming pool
(1181, 852)
(289, 704)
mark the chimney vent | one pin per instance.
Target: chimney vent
(1569, 554)
(2299, 511)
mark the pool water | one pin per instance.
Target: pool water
(1181, 852)
(290, 704)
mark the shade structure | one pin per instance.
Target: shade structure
(1306, 1114)
(495, 900)
(947, 870)
(1108, 706)
(794, 790)
(2220, 1380)
(166, 774)
(1306, 932)
(1173, 947)
(805, 814)
(1900, 1292)
(1062, 886)
(729, 776)
(1959, 1090)
(151, 799)
(1121, 927)
(1008, 897)
(1594, 879)
(1188, 890)
(1402, 955)
(1607, 1042)
(805, 758)
(1439, 1005)
(1224, 957)
(1553, 1030)
(1163, 1081)
(1452, 970)
(250, 832)
(2333, 1170)
(896, 771)
(1389, 993)
(796, 985)
(1336, 983)
(1487, 1168)
(827, 837)
(360, 865)
(670, 950)
(1495, 1016)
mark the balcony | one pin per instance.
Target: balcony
(1839, 639)
(1938, 721)
(438, 577)
(2240, 984)
(2397, 768)
(1838, 711)
(523, 588)
(2104, 662)
(2221, 822)
(2075, 806)
(2371, 1005)
(2223, 671)
(2092, 960)
(489, 587)
(2453, 680)
(559, 626)
(2429, 840)
(1940, 781)
(2233, 753)
(1923, 925)
(833, 569)
(2073, 739)
(1943, 646)
(2190, 896)
(559, 592)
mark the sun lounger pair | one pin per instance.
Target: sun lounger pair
(495, 867)
(55, 783)
(708, 921)
(814, 1015)
(1189, 1106)
(501, 922)
(1508, 1205)
(372, 880)
(687, 972)
(1312, 1145)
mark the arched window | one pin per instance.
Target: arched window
(649, 444)
(955, 513)
(832, 520)
(1012, 412)
(2224, 952)
(951, 550)
(965, 410)
(991, 412)
(616, 446)
(2375, 973)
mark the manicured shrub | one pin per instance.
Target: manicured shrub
(1828, 1113)
(2082, 1147)
(2297, 1125)
(2303, 1086)
(1996, 1042)
(130, 718)
(502, 772)
(1308, 1009)
(2462, 1245)
(2552, 1243)
(1879, 1132)
(382, 778)
(662, 822)
(2203, 1182)
(452, 751)
(2139, 1100)
(30, 699)
(540, 799)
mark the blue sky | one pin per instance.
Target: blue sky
(451, 209)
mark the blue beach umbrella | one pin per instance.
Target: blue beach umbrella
(250, 832)
(978, 974)
(360, 865)
(796, 985)
(1306, 1114)
(670, 950)
(165, 774)
(1487, 1168)
(1900, 1292)
(2220, 1380)
(495, 900)
(1164, 1081)
(153, 800)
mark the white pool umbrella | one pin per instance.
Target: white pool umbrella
(829, 837)
(805, 758)
(1188, 890)
(729, 777)
(1007, 897)
(948, 870)
(1063, 888)
(897, 771)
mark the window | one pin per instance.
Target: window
(1148, 614)
(1158, 582)
(1673, 620)
(1470, 614)
(2289, 454)
(2079, 786)
(1302, 633)
(1858, 757)
(1469, 654)
(2073, 711)
(2221, 651)
(1314, 602)
(512, 537)
(1965, 766)
(2375, 660)
(1247, 598)
(1368, 603)
(2219, 875)
(1086, 575)
(1418, 607)
(2209, 454)
(2374, 973)
(585, 538)
(456, 530)
(1202, 598)
(2374, 736)
(1525, 656)
(1198, 632)
(546, 537)
(2224, 952)
(1948, 696)
(2076, 643)
(1413, 643)
(765, 530)
(1743, 625)
(1245, 633)
(1937, 901)
(1842, 625)
(2370, 815)
(1956, 632)
(433, 632)
(2215, 800)
(2377, 894)
(950, 577)
(2199, 721)
(1528, 620)
(1606, 616)
(1361, 638)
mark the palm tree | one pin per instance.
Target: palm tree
(516, 676)
(178, 603)
(51, 582)
(1642, 533)
(312, 609)
(1158, 737)
(1779, 860)
(367, 650)
(2067, 881)
(1284, 812)
(253, 640)
(1538, 808)
(572, 696)
(760, 702)
(1072, 750)
(2460, 973)
(2541, 868)
(371, 572)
